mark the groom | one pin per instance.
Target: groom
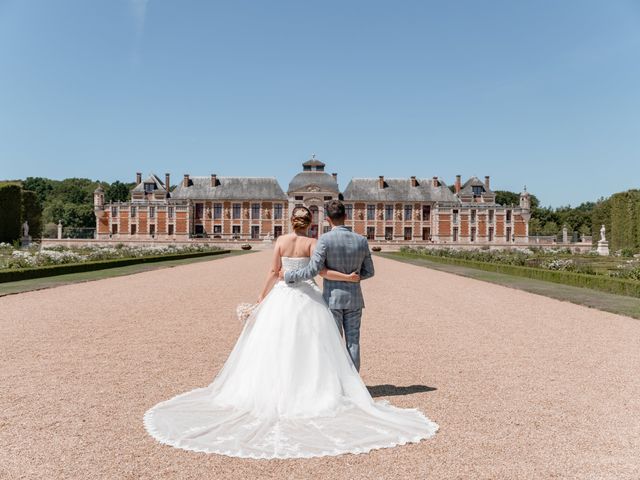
(346, 252)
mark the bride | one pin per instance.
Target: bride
(289, 388)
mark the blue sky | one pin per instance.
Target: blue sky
(544, 93)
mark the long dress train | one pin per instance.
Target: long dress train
(288, 390)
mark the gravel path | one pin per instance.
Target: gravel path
(521, 385)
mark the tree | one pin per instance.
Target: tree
(504, 197)
(32, 213)
(550, 228)
(41, 186)
(117, 192)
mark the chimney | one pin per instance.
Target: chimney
(487, 183)
(434, 181)
(138, 178)
(214, 180)
(381, 181)
(458, 183)
(185, 182)
(167, 182)
(335, 176)
(414, 182)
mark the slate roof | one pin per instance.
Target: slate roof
(397, 190)
(467, 188)
(303, 180)
(230, 188)
(313, 162)
(152, 178)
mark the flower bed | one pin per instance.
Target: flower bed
(601, 282)
(60, 261)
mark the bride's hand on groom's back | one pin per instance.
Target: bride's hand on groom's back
(354, 277)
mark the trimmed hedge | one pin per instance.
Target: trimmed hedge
(619, 286)
(52, 270)
(10, 212)
(32, 213)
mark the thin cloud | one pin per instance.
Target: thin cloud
(138, 10)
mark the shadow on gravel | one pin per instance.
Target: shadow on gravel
(389, 390)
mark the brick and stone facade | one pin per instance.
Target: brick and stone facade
(414, 210)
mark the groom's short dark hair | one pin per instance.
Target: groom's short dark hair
(335, 210)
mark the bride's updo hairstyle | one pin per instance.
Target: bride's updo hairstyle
(301, 218)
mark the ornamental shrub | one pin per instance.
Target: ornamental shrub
(32, 213)
(10, 212)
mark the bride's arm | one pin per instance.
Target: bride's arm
(272, 275)
(339, 276)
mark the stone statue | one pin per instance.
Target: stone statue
(25, 229)
(603, 245)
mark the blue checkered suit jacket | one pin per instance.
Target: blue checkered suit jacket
(343, 251)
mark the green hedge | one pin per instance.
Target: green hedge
(52, 270)
(602, 283)
(10, 212)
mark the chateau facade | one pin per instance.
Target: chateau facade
(413, 210)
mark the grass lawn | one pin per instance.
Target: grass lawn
(8, 288)
(623, 305)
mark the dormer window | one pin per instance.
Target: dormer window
(477, 190)
(149, 187)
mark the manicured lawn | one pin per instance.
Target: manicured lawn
(8, 288)
(608, 302)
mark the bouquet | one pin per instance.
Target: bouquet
(244, 310)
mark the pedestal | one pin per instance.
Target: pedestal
(603, 248)
(25, 241)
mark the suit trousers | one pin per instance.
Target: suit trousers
(348, 321)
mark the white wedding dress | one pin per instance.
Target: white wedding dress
(288, 390)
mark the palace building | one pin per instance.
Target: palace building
(402, 210)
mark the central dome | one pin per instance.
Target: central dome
(313, 175)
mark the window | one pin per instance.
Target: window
(407, 212)
(491, 234)
(199, 210)
(277, 212)
(388, 233)
(152, 229)
(134, 229)
(133, 211)
(473, 216)
(371, 212)
(170, 229)
(255, 232)
(455, 234)
(426, 233)
(298, 197)
(277, 231)
(426, 213)
(114, 228)
(237, 211)
(114, 211)
(170, 211)
(490, 216)
(388, 212)
(473, 234)
(508, 220)
(348, 211)
(326, 228)
(477, 190)
(327, 198)
(217, 211)
(152, 212)
(217, 229)
(508, 235)
(455, 216)
(255, 211)
(149, 187)
(408, 235)
(371, 233)
(199, 230)
(235, 231)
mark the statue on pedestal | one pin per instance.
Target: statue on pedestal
(603, 245)
(26, 239)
